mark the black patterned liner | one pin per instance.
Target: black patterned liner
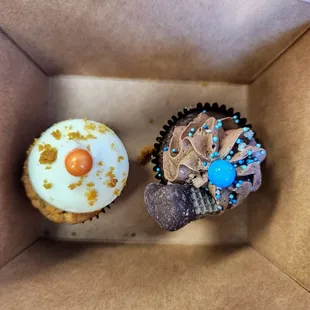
(175, 120)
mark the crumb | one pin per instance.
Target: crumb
(90, 126)
(78, 136)
(88, 148)
(116, 192)
(124, 174)
(47, 185)
(56, 134)
(145, 155)
(124, 181)
(133, 234)
(103, 128)
(100, 163)
(49, 154)
(75, 185)
(91, 196)
(120, 158)
(151, 121)
(204, 84)
(48, 168)
(98, 173)
(112, 146)
(90, 184)
(112, 180)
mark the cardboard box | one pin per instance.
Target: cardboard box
(132, 64)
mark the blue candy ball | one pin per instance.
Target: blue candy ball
(221, 173)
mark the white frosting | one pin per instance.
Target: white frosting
(106, 149)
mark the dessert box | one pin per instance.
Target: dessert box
(132, 65)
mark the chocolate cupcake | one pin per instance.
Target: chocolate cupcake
(75, 170)
(208, 161)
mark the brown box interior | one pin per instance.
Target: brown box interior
(65, 60)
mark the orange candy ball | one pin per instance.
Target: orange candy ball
(79, 162)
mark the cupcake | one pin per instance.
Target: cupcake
(75, 170)
(208, 161)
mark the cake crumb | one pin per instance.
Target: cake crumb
(56, 134)
(91, 196)
(120, 158)
(49, 154)
(90, 126)
(103, 128)
(47, 184)
(116, 192)
(75, 185)
(145, 154)
(100, 163)
(76, 135)
(112, 180)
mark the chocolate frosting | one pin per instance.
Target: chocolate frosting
(194, 145)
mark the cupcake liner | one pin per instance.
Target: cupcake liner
(175, 120)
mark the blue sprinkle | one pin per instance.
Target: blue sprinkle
(255, 159)
(234, 201)
(204, 163)
(157, 169)
(250, 153)
(241, 161)
(250, 161)
(238, 141)
(190, 134)
(215, 139)
(238, 185)
(235, 165)
(218, 196)
(219, 121)
(192, 129)
(240, 181)
(231, 152)
(211, 183)
(235, 117)
(220, 208)
(217, 126)
(220, 124)
(174, 150)
(165, 149)
(212, 155)
(230, 202)
(243, 167)
(204, 111)
(205, 126)
(258, 145)
(231, 196)
(236, 121)
(216, 154)
(249, 180)
(262, 152)
(228, 157)
(159, 174)
(218, 192)
(206, 189)
(245, 129)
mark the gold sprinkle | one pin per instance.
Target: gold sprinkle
(49, 154)
(90, 184)
(47, 185)
(100, 163)
(124, 174)
(48, 168)
(103, 128)
(112, 180)
(56, 134)
(91, 196)
(78, 136)
(75, 185)
(90, 126)
(88, 148)
(116, 192)
(120, 158)
(112, 146)
(98, 173)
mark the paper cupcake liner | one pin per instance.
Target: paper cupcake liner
(175, 120)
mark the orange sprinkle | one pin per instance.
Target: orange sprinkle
(100, 163)
(91, 196)
(56, 134)
(120, 158)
